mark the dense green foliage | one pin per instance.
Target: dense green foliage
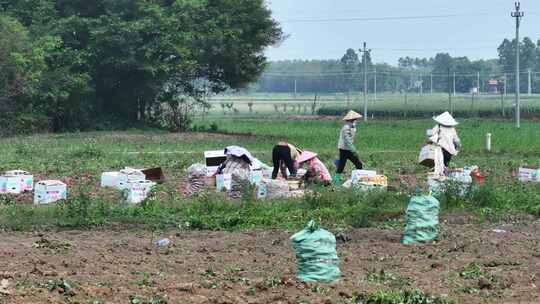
(77, 63)
(400, 297)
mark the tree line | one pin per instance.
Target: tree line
(345, 74)
(78, 64)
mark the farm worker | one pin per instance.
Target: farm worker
(238, 158)
(347, 150)
(315, 165)
(285, 155)
(445, 136)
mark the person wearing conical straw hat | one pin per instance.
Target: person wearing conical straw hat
(445, 136)
(347, 150)
(315, 166)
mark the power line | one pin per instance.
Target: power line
(434, 49)
(420, 17)
(379, 72)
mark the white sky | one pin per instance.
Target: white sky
(476, 28)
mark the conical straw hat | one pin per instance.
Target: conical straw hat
(446, 119)
(306, 155)
(352, 115)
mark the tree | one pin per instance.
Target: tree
(537, 61)
(527, 53)
(406, 62)
(350, 62)
(121, 60)
(15, 54)
(528, 58)
(350, 59)
(21, 68)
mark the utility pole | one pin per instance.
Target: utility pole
(365, 52)
(295, 89)
(454, 83)
(478, 81)
(449, 94)
(421, 84)
(505, 82)
(518, 15)
(431, 82)
(375, 84)
(529, 87)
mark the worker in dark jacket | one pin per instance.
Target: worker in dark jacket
(285, 156)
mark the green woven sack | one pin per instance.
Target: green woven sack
(316, 254)
(422, 220)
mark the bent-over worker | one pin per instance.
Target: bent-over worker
(445, 136)
(315, 166)
(285, 156)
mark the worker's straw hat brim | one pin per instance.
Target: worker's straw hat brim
(306, 155)
(446, 119)
(352, 115)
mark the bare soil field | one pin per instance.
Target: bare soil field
(472, 264)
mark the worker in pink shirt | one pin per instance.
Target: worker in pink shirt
(315, 165)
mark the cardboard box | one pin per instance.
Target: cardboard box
(262, 191)
(26, 179)
(427, 156)
(50, 191)
(377, 180)
(358, 175)
(110, 179)
(128, 175)
(255, 177)
(223, 181)
(294, 184)
(214, 159)
(137, 191)
(438, 186)
(155, 175)
(10, 184)
(461, 176)
(529, 175)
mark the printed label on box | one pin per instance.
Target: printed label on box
(223, 181)
(256, 177)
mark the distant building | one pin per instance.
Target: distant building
(493, 86)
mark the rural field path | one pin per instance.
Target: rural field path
(472, 263)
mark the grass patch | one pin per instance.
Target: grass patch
(390, 147)
(389, 279)
(335, 209)
(400, 297)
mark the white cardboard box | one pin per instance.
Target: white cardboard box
(10, 184)
(213, 159)
(262, 191)
(128, 175)
(357, 175)
(529, 175)
(223, 181)
(255, 177)
(110, 179)
(137, 191)
(26, 179)
(461, 176)
(49, 191)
